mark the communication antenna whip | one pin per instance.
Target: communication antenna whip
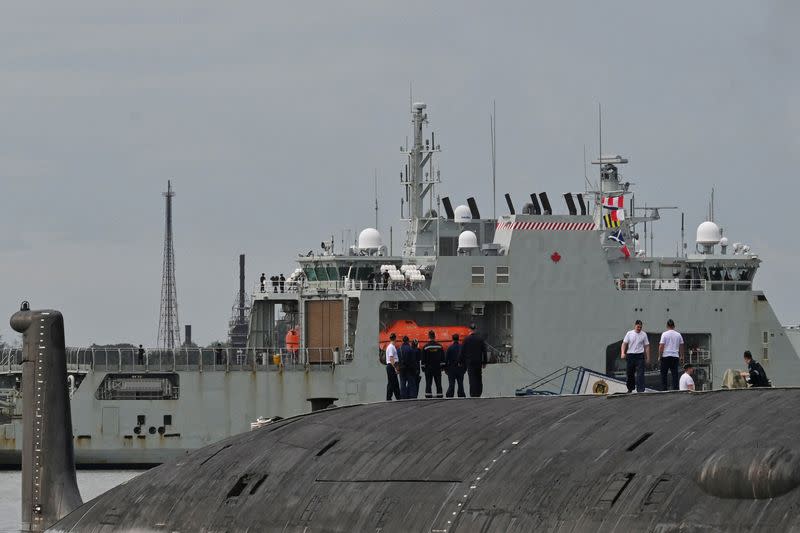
(600, 136)
(492, 127)
(683, 237)
(585, 176)
(376, 198)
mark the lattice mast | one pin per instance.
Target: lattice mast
(169, 330)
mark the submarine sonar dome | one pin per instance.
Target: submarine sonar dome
(711, 461)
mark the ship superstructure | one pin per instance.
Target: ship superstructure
(548, 287)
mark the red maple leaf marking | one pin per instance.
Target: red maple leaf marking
(556, 257)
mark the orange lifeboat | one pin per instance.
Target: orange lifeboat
(409, 328)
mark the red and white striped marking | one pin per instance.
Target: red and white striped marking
(548, 226)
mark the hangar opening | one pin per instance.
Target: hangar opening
(494, 320)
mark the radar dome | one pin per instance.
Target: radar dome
(467, 239)
(462, 214)
(708, 233)
(723, 241)
(369, 238)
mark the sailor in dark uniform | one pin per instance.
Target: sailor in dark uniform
(455, 369)
(433, 360)
(473, 353)
(755, 372)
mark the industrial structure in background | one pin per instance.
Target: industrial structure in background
(169, 329)
(239, 324)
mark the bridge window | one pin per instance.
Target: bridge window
(322, 273)
(478, 275)
(502, 275)
(311, 274)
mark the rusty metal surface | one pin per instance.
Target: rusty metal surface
(720, 461)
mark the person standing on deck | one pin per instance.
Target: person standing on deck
(473, 353)
(687, 383)
(636, 352)
(418, 360)
(671, 354)
(263, 280)
(455, 369)
(408, 370)
(433, 361)
(392, 381)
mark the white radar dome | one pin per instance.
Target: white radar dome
(723, 241)
(462, 214)
(708, 233)
(467, 239)
(369, 238)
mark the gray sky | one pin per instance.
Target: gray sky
(270, 118)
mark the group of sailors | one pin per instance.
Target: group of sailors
(278, 282)
(635, 351)
(406, 364)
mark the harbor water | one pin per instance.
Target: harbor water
(92, 483)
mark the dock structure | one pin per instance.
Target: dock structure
(711, 461)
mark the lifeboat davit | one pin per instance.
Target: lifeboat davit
(409, 328)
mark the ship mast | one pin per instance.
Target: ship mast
(419, 185)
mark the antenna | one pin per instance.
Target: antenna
(585, 176)
(376, 198)
(712, 204)
(683, 237)
(169, 331)
(598, 199)
(492, 127)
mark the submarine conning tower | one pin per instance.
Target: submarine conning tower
(667, 462)
(49, 487)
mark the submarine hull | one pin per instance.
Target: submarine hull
(726, 460)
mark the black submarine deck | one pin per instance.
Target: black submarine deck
(715, 461)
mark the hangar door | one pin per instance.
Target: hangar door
(324, 329)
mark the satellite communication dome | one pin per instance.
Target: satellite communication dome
(708, 233)
(467, 239)
(462, 214)
(419, 106)
(723, 241)
(369, 238)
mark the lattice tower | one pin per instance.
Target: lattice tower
(169, 329)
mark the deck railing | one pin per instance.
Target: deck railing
(344, 284)
(648, 284)
(221, 359)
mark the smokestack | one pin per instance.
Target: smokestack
(241, 288)
(510, 204)
(536, 209)
(582, 204)
(546, 209)
(448, 208)
(570, 203)
(49, 487)
(473, 208)
(187, 335)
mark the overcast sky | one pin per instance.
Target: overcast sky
(270, 118)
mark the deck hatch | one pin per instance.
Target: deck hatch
(640, 440)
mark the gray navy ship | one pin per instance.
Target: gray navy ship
(552, 290)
